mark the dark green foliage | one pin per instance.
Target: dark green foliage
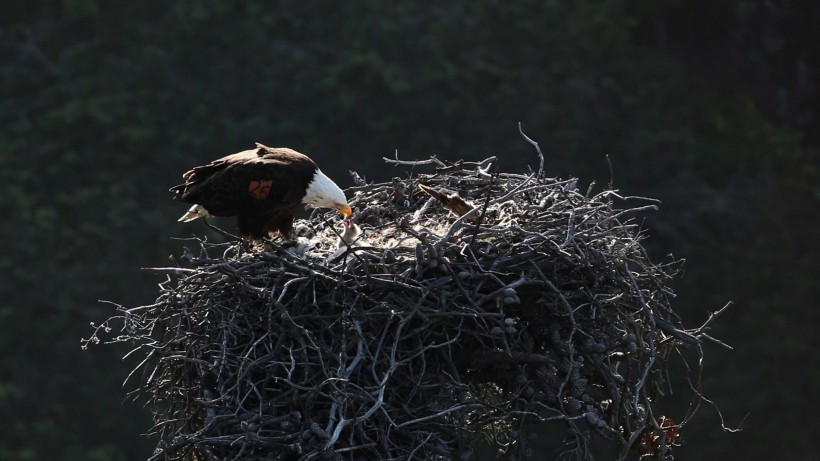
(106, 103)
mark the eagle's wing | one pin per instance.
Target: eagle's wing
(258, 181)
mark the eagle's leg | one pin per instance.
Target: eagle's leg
(268, 243)
(282, 226)
(276, 239)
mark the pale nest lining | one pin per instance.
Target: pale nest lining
(428, 336)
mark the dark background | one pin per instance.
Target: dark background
(710, 106)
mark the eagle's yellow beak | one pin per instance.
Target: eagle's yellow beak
(345, 210)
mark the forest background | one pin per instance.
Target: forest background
(710, 106)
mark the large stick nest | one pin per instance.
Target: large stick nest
(433, 333)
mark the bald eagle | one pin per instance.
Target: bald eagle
(261, 187)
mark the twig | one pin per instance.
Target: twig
(537, 149)
(396, 161)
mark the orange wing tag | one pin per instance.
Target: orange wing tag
(260, 189)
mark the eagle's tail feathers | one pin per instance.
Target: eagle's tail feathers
(196, 211)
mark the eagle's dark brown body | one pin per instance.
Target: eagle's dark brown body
(261, 187)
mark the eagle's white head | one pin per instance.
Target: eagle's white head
(322, 192)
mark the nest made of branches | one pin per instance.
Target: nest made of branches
(464, 314)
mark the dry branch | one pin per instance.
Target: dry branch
(426, 334)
